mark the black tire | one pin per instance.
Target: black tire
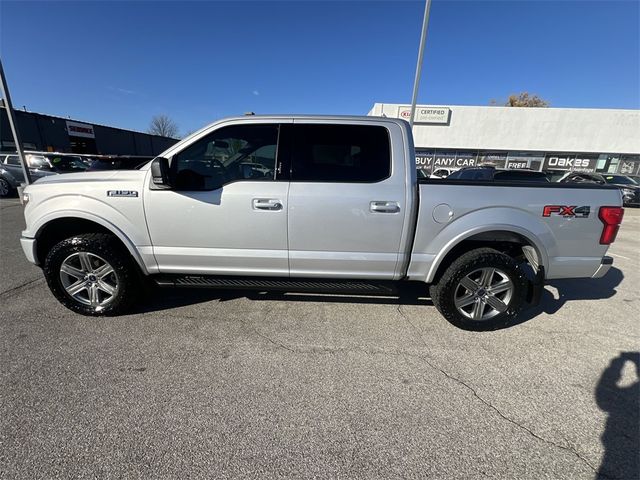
(443, 293)
(6, 190)
(105, 247)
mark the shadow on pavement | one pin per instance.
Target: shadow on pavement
(621, 437)
(411, 293)
(168, 298)
(574, 289)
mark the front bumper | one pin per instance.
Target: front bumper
(29, 249)
(604, 267)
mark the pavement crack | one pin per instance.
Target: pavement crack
(264, 336)
(271, 340)
(505, 417)
(24, 286)
(486, 402)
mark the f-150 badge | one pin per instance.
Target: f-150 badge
(122, 193)
(567, 211)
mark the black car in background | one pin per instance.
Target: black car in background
(492, 174)
(629, 188)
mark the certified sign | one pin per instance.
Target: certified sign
(76, 129)
(437, 115)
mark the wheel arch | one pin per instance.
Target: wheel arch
(502, 238)
(58, 228)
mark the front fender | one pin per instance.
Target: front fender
(127, 222)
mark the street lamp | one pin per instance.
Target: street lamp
(423, 39)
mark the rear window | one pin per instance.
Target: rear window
(341, 153)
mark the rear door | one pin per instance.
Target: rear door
(346, 199)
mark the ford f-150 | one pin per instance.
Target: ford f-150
(313, 203)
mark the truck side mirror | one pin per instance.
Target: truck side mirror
(160, 174)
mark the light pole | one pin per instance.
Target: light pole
(423, 40)
(8, 106)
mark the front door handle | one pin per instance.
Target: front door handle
(384, 207)
(266, 204)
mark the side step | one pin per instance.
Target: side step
(362, 287)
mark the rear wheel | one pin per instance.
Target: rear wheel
(91, 274)
(482, 290)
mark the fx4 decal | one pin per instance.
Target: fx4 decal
(567, 211)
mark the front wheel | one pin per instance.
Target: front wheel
(482, 290)
(91, 274)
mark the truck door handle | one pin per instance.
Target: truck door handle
(266, 204)
(384, 207)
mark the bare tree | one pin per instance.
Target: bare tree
(163, 125)
(522, 99)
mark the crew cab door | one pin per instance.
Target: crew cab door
(347, 199)
(226, 212)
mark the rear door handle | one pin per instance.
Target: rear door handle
(266, 204)
(381, 206)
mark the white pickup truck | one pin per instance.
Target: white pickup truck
(312, 203)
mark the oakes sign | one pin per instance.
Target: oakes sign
(582, 163)
(76, 129)
(437, 115)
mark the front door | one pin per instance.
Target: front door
(227, 211)
(346, 203)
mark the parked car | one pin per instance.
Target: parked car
(491, 174)
(342, 210)
(11, 175)
(119, 162)
(441, 173)
(554, 175)
(629, 188)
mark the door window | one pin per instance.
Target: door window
(240, 152)
(341, 153)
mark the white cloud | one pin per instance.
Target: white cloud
(256, 92)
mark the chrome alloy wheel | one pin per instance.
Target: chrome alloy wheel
(483, 294)
(89, 279)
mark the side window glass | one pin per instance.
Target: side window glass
(241, 152)
(13, 160)
(341, 153)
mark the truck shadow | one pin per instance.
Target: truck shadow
(621, 401)
(574, 289)
(168, 298)
(407, 294)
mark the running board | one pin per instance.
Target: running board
(362, 287)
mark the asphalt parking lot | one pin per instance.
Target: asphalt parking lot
(246, 385)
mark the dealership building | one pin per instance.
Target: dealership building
(452, 137)
(57, 134)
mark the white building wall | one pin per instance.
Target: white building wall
(533, 129)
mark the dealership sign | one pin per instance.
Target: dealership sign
(76, 129)
(582, 163)
(437, 115)
(429, 161)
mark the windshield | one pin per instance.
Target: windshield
(67, 164)
(619, 179)
(37, 162)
